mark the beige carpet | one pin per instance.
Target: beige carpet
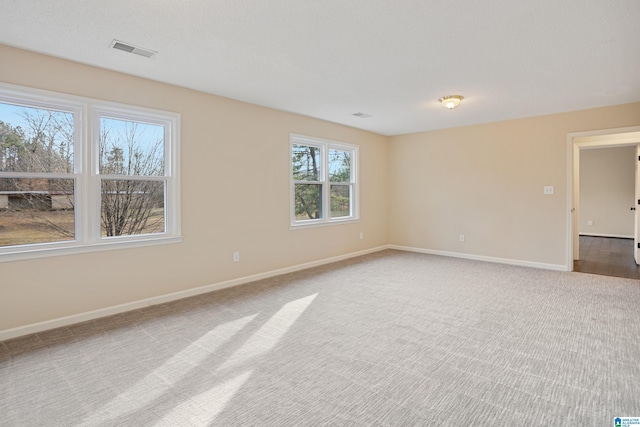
(389, 339)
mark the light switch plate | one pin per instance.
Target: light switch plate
(548, 189)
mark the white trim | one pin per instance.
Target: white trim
(325, 146)
(573, 163)
(45, 250)
(571, 207)
(86, 115)
(615, 236)
(169, 121)
(313, 223)
(134, 305)
(545, 266)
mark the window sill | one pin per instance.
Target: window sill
(313, 224)
(74, 248)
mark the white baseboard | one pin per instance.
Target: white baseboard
(556, 267)
(617, 236)
(134, 305)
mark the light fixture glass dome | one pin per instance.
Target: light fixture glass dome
(451, 101)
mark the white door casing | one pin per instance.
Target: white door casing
(636, 235)
(603, 138)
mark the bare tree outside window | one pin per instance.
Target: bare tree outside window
(81, 175)
(36, 153)
(37, 182)
(38, 140)
(130, 154)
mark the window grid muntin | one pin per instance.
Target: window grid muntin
(326, 184)
(133, 114)
(84, 156)
(27, 98)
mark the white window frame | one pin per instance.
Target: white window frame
(324, 145)
(87, 113)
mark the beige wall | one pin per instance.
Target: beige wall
(607, 191)
(225, 207)
(486, 182)
(420, 190)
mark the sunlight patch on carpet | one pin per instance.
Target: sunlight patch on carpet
(270, 333)
(203, 408)
(163, 378)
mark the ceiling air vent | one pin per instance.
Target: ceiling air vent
(127, 47)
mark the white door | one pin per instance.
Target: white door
(636, 207)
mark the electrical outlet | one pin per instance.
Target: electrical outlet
(361, 235)
(461, 237)
(236, 257)
(590, 222)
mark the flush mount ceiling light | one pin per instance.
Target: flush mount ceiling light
(450, 101)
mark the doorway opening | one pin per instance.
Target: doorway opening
(612, 253)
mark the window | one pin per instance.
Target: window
(78, 175)
(323, 181)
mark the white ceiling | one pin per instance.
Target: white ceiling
(332, 58)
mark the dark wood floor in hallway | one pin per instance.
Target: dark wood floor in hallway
(607, 256)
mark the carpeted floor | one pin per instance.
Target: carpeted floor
(388, 339)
